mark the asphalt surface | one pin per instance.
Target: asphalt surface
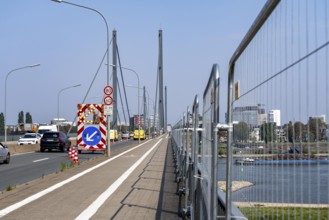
(137, 183)
(26, 167)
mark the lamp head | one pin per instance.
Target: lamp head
(34, 65)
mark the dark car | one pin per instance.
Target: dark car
(4, 154)
(54, 140)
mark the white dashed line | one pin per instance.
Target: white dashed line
(35, 161)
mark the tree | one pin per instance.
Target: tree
(21, 117)
(296, 132)
(2, 123)
(290, 132)
(299, 131)
(316, 128)
(268, 132)
(241, 131)
(28, 118)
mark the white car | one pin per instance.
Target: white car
(29, 138)
(4, 154)
(125, 134)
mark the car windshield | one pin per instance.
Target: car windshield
(50, 135)
(29, 136)
(42, 131)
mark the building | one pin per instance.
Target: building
(134, 121)
(275, 116)
(60, 121)
(320, 117)
(255, 135)
(153, 120)
(254, 116)
(139, 120)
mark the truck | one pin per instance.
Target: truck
(114, 135)
(44, 128)
(139, 134)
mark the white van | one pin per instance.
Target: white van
(44, 128)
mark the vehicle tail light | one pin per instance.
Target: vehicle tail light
(59, 139)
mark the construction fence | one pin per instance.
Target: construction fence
(269, 157)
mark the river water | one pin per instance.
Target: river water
(280, 183)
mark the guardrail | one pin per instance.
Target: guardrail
(18, 149)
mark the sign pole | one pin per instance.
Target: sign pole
(108, 90)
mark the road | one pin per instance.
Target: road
(125, 186)
(29, 166)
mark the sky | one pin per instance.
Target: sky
(69, 42)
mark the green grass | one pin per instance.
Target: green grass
(10, 188)
(285, 213)
(63, 166)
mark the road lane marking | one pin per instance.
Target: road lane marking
(18, 154)
(38, 195)
(35, 161)
(92, 209)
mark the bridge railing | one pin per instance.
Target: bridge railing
(274, 146)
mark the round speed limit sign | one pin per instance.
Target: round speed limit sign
(108, 100)
(108, 90)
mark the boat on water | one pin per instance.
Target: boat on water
(245, 161)
(251, 161)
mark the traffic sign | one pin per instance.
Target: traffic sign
(108, 100)
(108, 90)
(91, 135)
(108, 109)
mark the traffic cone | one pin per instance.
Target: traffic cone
(76, 159)
(73, 153)
(69, 154)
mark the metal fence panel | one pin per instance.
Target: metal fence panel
(209, 157)
(279, 104)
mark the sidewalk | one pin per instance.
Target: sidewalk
(149, 192)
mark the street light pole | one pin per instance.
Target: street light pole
(139, 116)
(108, 68)
(29, 66)
(58, 101)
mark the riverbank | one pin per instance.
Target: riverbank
(236, 185)
(268, 204)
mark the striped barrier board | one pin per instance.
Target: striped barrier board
(91, 133)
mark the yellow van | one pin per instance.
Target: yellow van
(114, 135)
(141, 134)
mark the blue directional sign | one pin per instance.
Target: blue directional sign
(91, 135)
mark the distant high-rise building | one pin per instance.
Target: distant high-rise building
(154, 121)
(254, 116)
(275, 116)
